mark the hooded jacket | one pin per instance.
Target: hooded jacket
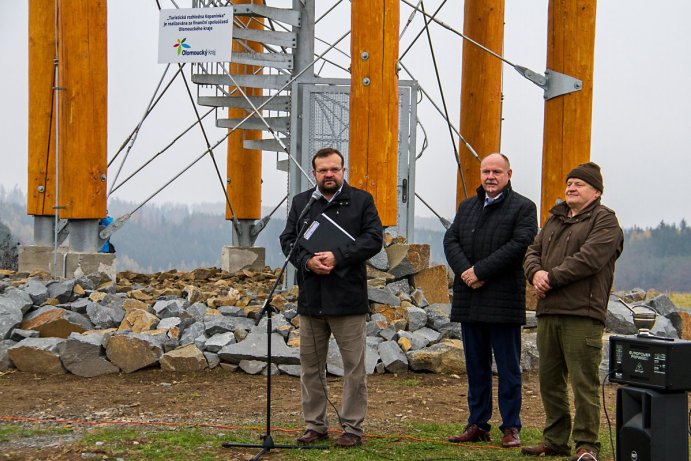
(493, 239)
(578, 254)
(344, 290)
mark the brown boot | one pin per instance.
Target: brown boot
(348, 440)
(541, 449)
(472, 433)
(584, 454)
(311, 436)
(512, 438)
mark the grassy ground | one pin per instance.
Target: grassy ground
(421, 441)
(681, 299)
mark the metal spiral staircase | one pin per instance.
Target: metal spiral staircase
(277, 66)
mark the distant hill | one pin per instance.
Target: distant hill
(163, 237)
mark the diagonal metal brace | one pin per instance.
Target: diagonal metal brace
(553, 83)
(115, 225)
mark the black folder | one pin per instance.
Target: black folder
(324, 234)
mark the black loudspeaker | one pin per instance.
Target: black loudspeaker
(651, 425)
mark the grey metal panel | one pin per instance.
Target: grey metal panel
(278, 103)
(412, 156)
(283, 165)
(276, 60)
(273, 82)
(287, 39)
(270, 145)
(325, 114)
(404, 187)
(255, 123)
(84, 235)
(284, 15)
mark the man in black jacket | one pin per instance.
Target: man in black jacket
(333, 295)
(485, 246)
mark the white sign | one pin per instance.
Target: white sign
(195, 35)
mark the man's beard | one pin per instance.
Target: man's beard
(324, 189)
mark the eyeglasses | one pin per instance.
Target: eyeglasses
(323, 171)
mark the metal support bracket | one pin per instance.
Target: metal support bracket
(63, 230)
(115, 225)
(553, 83)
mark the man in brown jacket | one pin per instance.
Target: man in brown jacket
(571, 266)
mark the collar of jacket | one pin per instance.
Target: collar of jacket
(504, 193)
(342, 199)
(562, 210)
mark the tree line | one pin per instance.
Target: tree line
(163, 237)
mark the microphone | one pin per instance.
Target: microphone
(316, 195)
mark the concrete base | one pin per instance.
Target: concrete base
(235, 259)
(70, 264)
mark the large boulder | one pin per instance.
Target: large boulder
(445, 357)
(254, 347)
(37, 290)
(5, 362)
(18, 299)
(133, 351)
(38, 355)
(393, 358)
(10, 318)
(84, 355)
(184, 359)
(434, 283)
(56, 322)
(407, 259)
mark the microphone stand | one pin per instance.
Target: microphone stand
(267, 440)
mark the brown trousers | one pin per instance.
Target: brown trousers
(349, 332)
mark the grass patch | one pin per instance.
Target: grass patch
(157, 444)
(14, 431)
(680, 299)
(416, 441)
(408, 382)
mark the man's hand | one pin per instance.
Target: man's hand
(541, 283)
(322, 263)
(470, 279)
(477, 284)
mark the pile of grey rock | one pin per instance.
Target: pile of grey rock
(91, 326)
(191, 321)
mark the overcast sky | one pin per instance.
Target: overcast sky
(641, 125)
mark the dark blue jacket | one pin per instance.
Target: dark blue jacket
(344, 291)
(493, 239)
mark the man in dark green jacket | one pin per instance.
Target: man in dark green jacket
(571, 266)
(485, 246)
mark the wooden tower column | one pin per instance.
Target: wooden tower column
(568, 118)
(82, 124)
(67, 133)
(373, 148)
(481, 78)
(41, 143)
(244, 167)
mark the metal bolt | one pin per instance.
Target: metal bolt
(41, 189)
(103, 177)
(366, 81)
(364, 55)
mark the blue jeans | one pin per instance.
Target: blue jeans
(479, 340)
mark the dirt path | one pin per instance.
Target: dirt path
(233, 398)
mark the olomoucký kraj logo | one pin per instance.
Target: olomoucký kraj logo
(181, 44)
